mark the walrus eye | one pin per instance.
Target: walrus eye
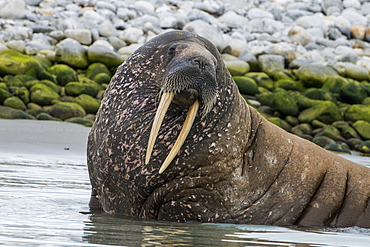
(172, 50)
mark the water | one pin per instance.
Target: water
(43, 202)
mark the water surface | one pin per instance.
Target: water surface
(43, 202)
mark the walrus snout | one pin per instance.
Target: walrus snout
(190, 80)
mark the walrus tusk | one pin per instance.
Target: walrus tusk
(182, 136)
(158, 119)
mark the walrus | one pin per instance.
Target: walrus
(174, 140)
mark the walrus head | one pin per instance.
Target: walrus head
(189, 80)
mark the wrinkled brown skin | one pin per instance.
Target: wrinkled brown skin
(234, 167)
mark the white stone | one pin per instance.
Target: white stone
(83, 36)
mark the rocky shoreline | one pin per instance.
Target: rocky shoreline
(304, 64)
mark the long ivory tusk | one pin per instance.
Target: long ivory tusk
(158, 119)
(182, 136)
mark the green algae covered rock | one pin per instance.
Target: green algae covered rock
(80, 120)
(334, 84)
(237, 67)
(281, 101)
(353, 93)
(338, 148)
(280, 122)
(290, 84)
(78, 88)
(12, 81)
(16, 63)
(102, 78)
(363, 128)
(63, 73)
(323, 141)
(65, 110)
(102, 54)
(15, 103)
(72, 53)
(23, 94)
(96, 68)
(357, 112)
(246, 85)
(262, 80)
(10, 113)
(331, 132)
(319, 94)
(45, 116)
(90, 104)
(43, 95)
(4, 93)
(364, 148)
(323, 111)
(315, 75)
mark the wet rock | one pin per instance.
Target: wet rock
(15, 63)
(23, 94)
(357, 112)
(364, 148)
(338, 148)
(102, 78)
(281, 101)
(320, 94)
(45, 116)
(363, 128)
(10, 113)
(4, 93)
(63, 73)
(12, 81)
(323, 141)
(289, 84)
(43, 95)
(262, 80)
(334, 84)
(331, 132)
(77, 88)
(102, 54)
(90, 104)
(280, 122)
(80, 120)
(324, 111)
(315, 75)
(237, 67)
(72, 53)
(65, 110)
(246, 85)
(353, 93)
(302, 129)
(15, 103)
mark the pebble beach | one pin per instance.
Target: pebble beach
(304, 64)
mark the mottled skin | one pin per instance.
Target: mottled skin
(234, 167)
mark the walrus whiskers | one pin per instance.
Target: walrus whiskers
(158, 119)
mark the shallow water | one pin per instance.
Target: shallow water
(43, 202)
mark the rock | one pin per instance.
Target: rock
(315, 75)
(302, 129)
(72, 53)
(366, 101)
(353, 93)
(4, 94)
(363, 128)
(102, 54)
(358, 32)
(354, 17)
(237, 67)
(102, 78)
(80, 120)
(320, 94)
(15, 103)
(364, 148)
(65, 110)
(334, 84)
(45, 116)
(338, 148)
(51, 85)
(90, 104)
(323, 141)
(281, 101)
(77, 88)
(63, 73)
(12, 81)
(357, 112)
(10, 113)
(354, 143)
(207, 31)
(289, 84)
(331, 132)
(13, 9)
(324, 111)
(270, 64)
(265, 25)
(299, 35)
(262, 79)
(23, 94)
(246, 85)
(132, 35)
(255, 13)
(83, 36)
(355, 72)
(251, 59)
(43, 95)
(95, 69)
(15, 63)
(279, 122)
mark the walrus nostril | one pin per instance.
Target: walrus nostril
(201, 62)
